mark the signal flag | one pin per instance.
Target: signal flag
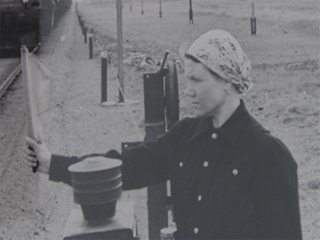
(33, 76)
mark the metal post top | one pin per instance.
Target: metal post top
(104, 54)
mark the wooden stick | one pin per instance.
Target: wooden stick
(120, 50)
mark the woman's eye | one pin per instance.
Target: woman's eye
(195, 80)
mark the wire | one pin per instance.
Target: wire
(134, 122)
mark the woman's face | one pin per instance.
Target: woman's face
(206, 90)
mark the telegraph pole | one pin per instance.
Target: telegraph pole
(120, 50)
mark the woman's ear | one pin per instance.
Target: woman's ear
(227, 85)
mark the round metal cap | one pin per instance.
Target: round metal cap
(94, 164)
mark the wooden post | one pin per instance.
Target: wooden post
(104, 77)
(142, 7)
(253, 22)
(85, 34)
(190, 12)
(120, 50)
(90, 45)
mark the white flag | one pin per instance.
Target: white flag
(33, 76)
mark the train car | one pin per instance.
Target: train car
(26, 22)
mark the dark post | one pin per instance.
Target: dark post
(104, 77)
(90, 46)
(142, 7)
(160, 11)
(131, 6)
(155, 125)
(172, 95)
(253, 22)
(190, 12)
(154, 106)
(85, 34)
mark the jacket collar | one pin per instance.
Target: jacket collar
(230, 129)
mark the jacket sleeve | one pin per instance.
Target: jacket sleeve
(147, 164)
(278, 198)
(59, 172)
(143, 165)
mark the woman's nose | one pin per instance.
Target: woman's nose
(189, 91)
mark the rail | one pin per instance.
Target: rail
(8, 81)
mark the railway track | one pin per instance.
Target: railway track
(26, 213)
(9, 73)
(10, 69)
(9, 78)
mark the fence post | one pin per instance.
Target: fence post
(253, 22)
(104, 77)
(190, 12)
(90, 45)
(141, 7)
(85, 34)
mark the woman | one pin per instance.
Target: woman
(230, 178)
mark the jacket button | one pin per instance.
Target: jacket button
(196, 230)
(199, 198)
(214, 136)
(205, 164)
(235, 172)
(181, 164)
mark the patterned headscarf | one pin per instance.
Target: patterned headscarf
(219, 51)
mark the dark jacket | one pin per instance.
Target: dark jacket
(234, 182)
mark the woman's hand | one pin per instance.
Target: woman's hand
(37, 154)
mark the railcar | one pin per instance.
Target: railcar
(26, 22)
